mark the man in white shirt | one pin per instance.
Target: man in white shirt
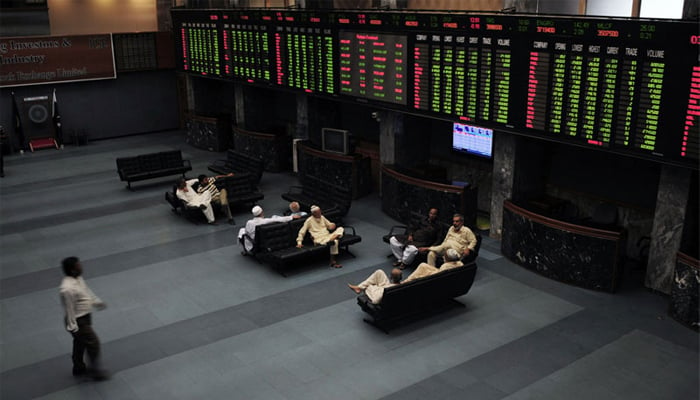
(78, 301)
(375, 284)
(246, 235)
(191, 198)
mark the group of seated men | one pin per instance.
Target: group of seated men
(322, 231)
(458, 243)
(201, 192)
(422, 237)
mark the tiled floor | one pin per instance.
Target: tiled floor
(190, 318)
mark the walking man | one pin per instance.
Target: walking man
(78, 301)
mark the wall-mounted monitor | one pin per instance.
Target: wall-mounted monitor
(472, 139)
(335, 141)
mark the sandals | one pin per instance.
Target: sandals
(336, 265)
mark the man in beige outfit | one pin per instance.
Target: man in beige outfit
(424, 269)
(375, 284)
(322, 232)
(458, 237)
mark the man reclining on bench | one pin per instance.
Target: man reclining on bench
(375, 284)
(191, 198)
(322, 232)
(206, 184)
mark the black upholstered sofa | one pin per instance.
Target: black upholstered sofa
(152, 165)
(238, 162)
(421, 297)
(326, 195)
(240, 191)
(421, 257)
(275, 243)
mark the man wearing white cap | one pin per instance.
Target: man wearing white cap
(322, 232)
(246, 235)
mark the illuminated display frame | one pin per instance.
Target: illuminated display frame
(595, 82)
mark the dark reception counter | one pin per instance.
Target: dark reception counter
(574, 254)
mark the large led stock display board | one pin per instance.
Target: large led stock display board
(621, 85)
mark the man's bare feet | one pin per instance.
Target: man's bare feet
(356, 289)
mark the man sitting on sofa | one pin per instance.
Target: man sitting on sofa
(458, 237)
(322, 232)
(191, 198)
(376, 283)
(206, 184)
(426, 233)
(451, 258)
(246, 235)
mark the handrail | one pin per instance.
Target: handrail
(421, 182)
(323, 154)
(262, 135)
(566, 226)
(688, 260)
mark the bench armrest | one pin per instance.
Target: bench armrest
(352, 228)
(295, 190)
(187, 163)
(220, 163)
(398, 230)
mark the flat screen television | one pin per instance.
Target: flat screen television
(472, 139)
(335, 141)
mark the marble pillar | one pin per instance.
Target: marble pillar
(165, 23)
(239, 104)
(502, 185)
(189, 93)
(302, 125)
(667, 229)
(390, 131)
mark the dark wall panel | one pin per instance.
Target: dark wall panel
(136, 102)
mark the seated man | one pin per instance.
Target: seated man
(295, 209)
(206, 184)
(322, 232)
(191, 198)
(451, 259)
(376, 283)
(458, 237)
(405, 247)
(246, 235)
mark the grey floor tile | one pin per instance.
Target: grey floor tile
(189, 318)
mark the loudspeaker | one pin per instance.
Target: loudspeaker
(37, 121)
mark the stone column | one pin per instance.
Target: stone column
(390, 129)
(302, 126)
(667, 230)
(239, 104)
(390, 132)
(189, 93)
(502, 185)
(163, 14)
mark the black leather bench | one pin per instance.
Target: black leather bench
(239, 191)
(275, 243)
(422, 297)
(321, 193)
(152, 165)
(238, 162)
